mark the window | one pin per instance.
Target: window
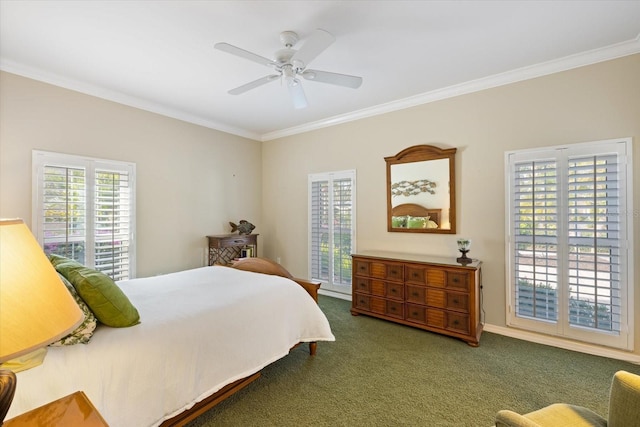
(332, 229)
(83, 209)
(569, 242)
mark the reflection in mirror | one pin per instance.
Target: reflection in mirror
(421, 190)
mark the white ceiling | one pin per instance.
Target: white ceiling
(159, 55)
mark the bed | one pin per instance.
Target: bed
(412, 215)
(204, 334)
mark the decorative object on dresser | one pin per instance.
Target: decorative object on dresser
(427, 292)
(224, 248)
(463, 247)
(421, 195)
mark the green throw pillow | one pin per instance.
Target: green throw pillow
(105, 299)
(83, 333)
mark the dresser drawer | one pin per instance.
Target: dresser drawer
(458, 281)
(379, 288)
(416, 275)
(238, 240)
(457, 322)
(387, 289)
(361, 268)
(425, 316)
(395, 291)
(362, 302)
(395, 309)
(391, 271)
(416, 314)
(387, 270)
(379, 305)
(425, 276)
(458, 301)
(449, 300)
(416, 294)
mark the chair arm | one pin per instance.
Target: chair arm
(507, 418)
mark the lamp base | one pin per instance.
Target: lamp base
(7, 390)
(464, 259)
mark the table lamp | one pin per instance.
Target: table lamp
(36, 308)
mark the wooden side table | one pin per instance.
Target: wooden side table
(224, 248)
(73, 410)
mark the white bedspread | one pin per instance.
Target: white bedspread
(200, 330)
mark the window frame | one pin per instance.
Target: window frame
(328, 286)
(563, 155)
(42, 159)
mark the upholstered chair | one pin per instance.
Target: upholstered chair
(624, 409)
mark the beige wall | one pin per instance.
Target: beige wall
(591, 103)
(191, 181)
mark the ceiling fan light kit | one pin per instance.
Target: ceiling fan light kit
(290, 64)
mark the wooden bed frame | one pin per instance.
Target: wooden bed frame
(258, 265)
(413, 209)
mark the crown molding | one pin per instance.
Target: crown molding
(590, 57)
(120, 98)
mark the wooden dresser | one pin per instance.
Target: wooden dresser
(432, 293)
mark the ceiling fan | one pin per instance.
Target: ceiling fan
(290, 64)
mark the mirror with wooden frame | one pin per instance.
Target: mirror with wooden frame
(421, 195)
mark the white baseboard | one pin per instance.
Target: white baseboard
(333, 294)
(565, 344)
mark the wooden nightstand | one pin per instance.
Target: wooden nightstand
(225, 247)
(73, 410)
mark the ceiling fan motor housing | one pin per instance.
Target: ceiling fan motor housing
(289, 38)
(283, 56)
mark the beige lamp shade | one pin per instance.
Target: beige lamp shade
(36, 308)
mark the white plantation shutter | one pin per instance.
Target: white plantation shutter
(332, 229)
(83, 209)
(63, 214)
(319, 230)
(569, 242)
(535, 234)
(112, 229)
(594, 241)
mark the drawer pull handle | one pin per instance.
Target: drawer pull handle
(415, 294)
(455, 322)
(455, 301)
(455, 280)
(393, 309)
(415, 313)
(393, 291)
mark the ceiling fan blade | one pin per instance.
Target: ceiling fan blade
(297, 94)
(333, 78)
(314, 46)
(254, 84)
(226, 47)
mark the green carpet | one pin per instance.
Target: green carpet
(378, 373)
